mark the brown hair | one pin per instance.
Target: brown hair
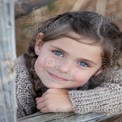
(87, 24)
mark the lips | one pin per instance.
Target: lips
(57, 77)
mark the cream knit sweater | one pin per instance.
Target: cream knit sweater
(101, 95)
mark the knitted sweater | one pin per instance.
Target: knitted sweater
(101, 95)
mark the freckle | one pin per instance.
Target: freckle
(50, 62)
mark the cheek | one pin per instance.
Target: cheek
(44, 62)
(38, 66)
(82, 77)
(39, 63)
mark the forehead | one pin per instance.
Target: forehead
(76, 48)
(79, 44)
(80, 40)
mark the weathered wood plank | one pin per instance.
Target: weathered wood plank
(116, 118)
(63, 117)
(70, 117)
(7, 57)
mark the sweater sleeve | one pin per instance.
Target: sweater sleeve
(106, 98)
(25, 101)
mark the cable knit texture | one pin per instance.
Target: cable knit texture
(100, 95)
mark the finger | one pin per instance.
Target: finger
(41, 105)
(45, 110)
(39, 100)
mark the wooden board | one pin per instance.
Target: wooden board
(7, 59)
(63, 117)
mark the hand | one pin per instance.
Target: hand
(54, 100)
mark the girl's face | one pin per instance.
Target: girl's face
(67, 63)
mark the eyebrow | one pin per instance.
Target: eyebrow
(89, 61)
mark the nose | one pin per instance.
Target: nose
(65, 67)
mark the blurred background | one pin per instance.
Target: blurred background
(29, 13)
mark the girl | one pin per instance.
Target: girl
(71, 66)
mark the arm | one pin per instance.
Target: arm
(25, 101)
(105, 98)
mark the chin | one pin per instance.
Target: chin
(54, 86)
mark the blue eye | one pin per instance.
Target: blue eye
(58, 53)
(84, 64)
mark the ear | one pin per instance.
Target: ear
(99, 71)
(38, 43)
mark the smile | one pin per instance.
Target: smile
(57, 77)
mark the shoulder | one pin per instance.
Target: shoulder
(20, 63)
(116, 76)
(24, 95)
(22, 75)
(22, 81)
(20, 67)
(109, 76)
